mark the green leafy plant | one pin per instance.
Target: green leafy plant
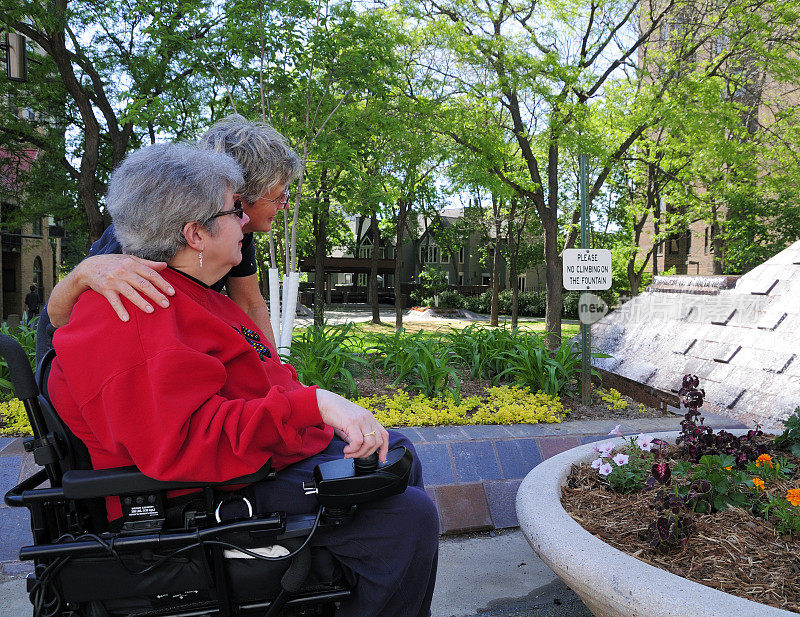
(420, 361)
(531, 364)
(482, 350)
(432, 281)
(25, 334)
(789, 439)
(784, 514)
(726, 484)
(322, 356)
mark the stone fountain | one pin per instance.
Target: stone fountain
(740, 335)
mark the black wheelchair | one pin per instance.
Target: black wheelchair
(204, 553)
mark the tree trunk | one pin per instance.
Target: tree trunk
(359, 234)
(553, 282)
(512, 255)
(373, 269)
(398, 265)
(320, 220)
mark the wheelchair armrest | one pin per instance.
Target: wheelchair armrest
(87, 484)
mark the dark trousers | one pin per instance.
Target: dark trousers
(389, 549)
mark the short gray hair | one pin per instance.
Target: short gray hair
(158, 189)
(266, 158)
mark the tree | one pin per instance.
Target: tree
(545, 66)
(109, 75)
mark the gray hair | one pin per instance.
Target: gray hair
(158, 189)
(265, 156)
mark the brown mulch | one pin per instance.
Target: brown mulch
(733, 551)
(382, 385)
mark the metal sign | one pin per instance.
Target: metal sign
(587, 269)
(591, 308)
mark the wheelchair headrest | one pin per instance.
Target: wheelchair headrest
(75, 454)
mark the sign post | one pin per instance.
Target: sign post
(586, 269)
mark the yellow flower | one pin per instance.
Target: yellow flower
(729, 467)
(793, 496)
(758, 483)
(764, 459)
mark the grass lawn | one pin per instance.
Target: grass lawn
(363, 331)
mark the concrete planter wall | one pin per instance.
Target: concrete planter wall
(611, 583)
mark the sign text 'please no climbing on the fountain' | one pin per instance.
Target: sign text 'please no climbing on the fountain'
(587, 269)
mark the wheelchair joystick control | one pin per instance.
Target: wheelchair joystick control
(347, 482)
(366, 464)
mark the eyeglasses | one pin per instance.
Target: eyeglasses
(283, 200)
(238, 210)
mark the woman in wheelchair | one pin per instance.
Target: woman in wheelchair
(195, 392)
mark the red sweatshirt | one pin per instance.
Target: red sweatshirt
(190, 392)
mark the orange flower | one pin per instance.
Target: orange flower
(793, 496)
(729, 467)
(764, 459)
(758, 483)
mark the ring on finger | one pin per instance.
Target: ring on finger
(368, 434)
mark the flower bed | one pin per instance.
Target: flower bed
(501, 405)
(718, 509)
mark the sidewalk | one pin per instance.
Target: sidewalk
(472, 473)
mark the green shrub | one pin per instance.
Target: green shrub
(432, 281)
(25, 334)
(322, 356)
(479, 304)
(532, 303)
(14, 419)
(451, 299)
(569, 304)
(504, 299)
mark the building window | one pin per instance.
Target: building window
(16, 61)
(429, 254)
(38, 278)
(486, 279)
(461, 255)
(362, 279)
(660, 248)
(445, 257)
(348, 279)
(521, 283)
(37, 226)
(460, 279)
(365, 250)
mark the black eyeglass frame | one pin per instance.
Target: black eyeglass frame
(238, 210)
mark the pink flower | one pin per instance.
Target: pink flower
(645, 442)
(596, 463)
(616, 431)
(604, 449)
(605, 469)
(621, 459)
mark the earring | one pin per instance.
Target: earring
(201, 259)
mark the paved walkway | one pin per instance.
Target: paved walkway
(471, 472)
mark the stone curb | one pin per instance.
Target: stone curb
(610, 582)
